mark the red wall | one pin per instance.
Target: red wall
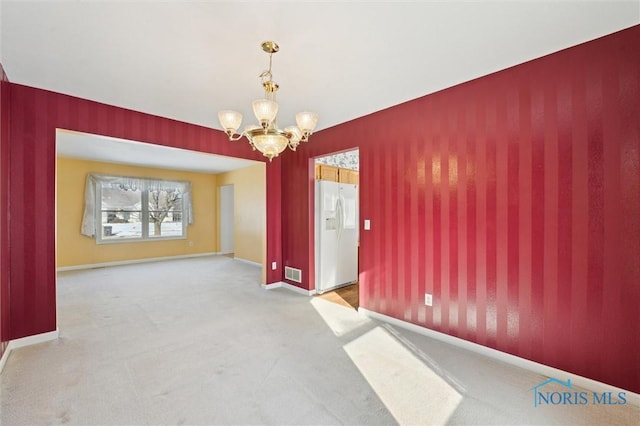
(35, 114)
(514, 199)
(4, 211)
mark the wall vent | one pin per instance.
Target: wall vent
(293, 274)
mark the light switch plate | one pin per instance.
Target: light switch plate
(367, 224)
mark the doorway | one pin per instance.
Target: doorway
(336, 234)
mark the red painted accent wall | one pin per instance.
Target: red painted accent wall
(35, 114)
(514, 199)
(4, 211)
(274, 219)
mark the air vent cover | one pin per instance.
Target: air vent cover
(293, 274)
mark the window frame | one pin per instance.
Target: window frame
(144, 216)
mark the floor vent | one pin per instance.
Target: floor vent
(293, 274)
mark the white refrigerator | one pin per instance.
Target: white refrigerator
(336, 234)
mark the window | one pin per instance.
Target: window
(133, 209)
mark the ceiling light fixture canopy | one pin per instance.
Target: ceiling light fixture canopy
(267, 137)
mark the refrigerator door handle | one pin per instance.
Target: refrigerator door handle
(339, 215)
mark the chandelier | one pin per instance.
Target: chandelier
(267, 137)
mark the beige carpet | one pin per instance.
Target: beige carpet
(199, 342)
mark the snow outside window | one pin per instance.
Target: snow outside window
(124, 209)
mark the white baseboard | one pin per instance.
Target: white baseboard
(34, 340)
(298, 289)
(129, 262)
(5, 357)
(282, 284)
(250, 262)
(27, 341)
(271, 286)
(545, 370)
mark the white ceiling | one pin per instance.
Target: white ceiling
(113, 150)
(187, 60)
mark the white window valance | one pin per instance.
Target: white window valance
(88, 227)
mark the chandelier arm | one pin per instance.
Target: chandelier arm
(237, 136)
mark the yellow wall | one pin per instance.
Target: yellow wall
(250, 204)
(74, 248)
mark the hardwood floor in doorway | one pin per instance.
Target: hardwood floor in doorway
(346, 296)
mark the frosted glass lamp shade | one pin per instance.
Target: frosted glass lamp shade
(248, 131)
(296, 136)
(270, 145)
(265, 110)
(307, 121)
(230, 120)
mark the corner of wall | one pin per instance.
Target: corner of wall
(4, 217)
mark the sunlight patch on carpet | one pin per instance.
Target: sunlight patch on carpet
(340, 319)
(411, 391)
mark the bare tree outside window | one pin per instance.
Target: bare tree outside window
(164, 205)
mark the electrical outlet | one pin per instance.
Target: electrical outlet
(428, 299)
(274, 265)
